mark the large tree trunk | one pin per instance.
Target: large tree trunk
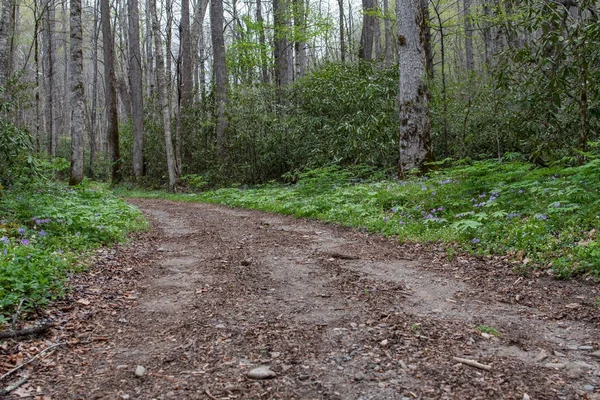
(185, 81)
(220, 73)
(387, 34)
(77, 94)
(283, 73)
(110, 93)
(135, 83)
(162, 94)
(415, 128)
(428, 49)
(367, 37)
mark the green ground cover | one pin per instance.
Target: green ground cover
(46, 229)
(540, 217)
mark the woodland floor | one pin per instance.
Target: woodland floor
(211, 293)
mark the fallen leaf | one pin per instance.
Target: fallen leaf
(84, 302)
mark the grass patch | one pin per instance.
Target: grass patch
(489, 330)
(46, 229)
(539, 217)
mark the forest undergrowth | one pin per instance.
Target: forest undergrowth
(46, 231)
(539, 217)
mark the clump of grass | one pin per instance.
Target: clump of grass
(539, 217)
(489, 330)
(44, 231)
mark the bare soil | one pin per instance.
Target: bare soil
(211, 293)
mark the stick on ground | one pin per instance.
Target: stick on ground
(472, 363)
(18, 367)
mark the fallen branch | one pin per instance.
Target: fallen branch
(206, 392)
(14, 386)
(341, 256)
(36, 330)
(472, 363)
(18, 367)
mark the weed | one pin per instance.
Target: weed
(488, 329)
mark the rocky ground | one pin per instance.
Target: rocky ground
(218, 303)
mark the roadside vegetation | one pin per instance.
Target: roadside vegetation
(539, 217)
(48, 228)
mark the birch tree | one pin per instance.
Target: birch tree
(161, 83)
(77, 93)
(415, 129)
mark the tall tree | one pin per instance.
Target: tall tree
(185, 79)
(161, 83)
(110, 92)
(77, 94)
(468, 36)
(49, 69)
(220, 74)
(262, 43)
(5, 40)
(342, 29)
(135, 83)
(415, 128)
(283, 51)
(300, 16)
(197, 36)
(369, 28)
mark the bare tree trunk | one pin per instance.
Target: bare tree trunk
(150, 75)
(341, 28)
(415, 128)
(185, 80)
(135, 83)
(387, 27)
(283, 75)
(162, 95)
(262, 43)
(77, 94)
(94, 111)
(220, 73)
(487, 34)
(110, 93)
(50, 118)
(38, 108)
(428, 50)
(367, 36)
(168, 44)
(300, 15)
(468, 36)
(5, 39)
(197, 38)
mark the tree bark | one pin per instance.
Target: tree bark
(77, 94)
(50, 109)
(94, 111)
(197, 37)
(468, 36)
(5, 41)
(342, 29)
(261, 40)
(367, 36)
(220, 75)
(415, 129)
(135, 83)
(110, 93)
(162, 94)
(283, 74)
(300, 14)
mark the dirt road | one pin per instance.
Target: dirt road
(212, 293)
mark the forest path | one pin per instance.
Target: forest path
(212, 293)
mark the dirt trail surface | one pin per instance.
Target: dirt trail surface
(211, 294)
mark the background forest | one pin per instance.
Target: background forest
(246, 91)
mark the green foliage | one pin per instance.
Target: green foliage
(44, 230)
(539, 217)
(488, 329)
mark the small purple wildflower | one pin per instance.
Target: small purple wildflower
(385, 219)
(5, 240)
(5, 252)
(541, 217)
(441, 208)
(423, 188)
(28, 256)
(21, 231)
(401, 223)
(556, 205)
(446, 181)
(394, 209)
(24, 242)
(513, 215)
(482, 195)
(475, 240)
(482, 204)
(59, 251)
(42, 233)
(521, 191)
